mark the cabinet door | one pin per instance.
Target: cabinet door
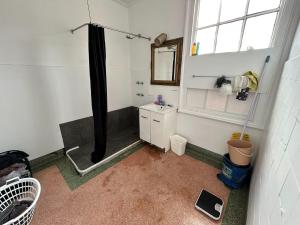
(145, 125)
(157, 130)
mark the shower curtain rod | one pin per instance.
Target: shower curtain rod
(113, 29)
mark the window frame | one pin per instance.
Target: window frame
(242, 18)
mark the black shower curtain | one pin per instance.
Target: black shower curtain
(97, 62)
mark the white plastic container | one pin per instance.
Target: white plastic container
(178, 144)
(28, 189)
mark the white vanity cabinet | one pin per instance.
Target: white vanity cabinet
(157, 125)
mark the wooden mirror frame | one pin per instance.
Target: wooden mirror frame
(176, 82)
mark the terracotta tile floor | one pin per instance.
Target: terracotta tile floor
(147, 188)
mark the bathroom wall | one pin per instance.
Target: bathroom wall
(152, 18)
(207, 131)
(275, 186)
(220, 116)
(44, 75)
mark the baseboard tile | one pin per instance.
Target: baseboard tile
(46, 160)
(204, 155)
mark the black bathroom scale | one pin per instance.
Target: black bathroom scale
(210, 205)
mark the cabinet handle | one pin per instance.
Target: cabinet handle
(144, 117)
(156, 121)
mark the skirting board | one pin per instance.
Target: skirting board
(46, 160)
(204, 155)
(197, 152)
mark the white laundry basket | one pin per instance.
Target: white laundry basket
(27, 189)
(178, 144)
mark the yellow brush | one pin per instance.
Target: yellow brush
(237, 135)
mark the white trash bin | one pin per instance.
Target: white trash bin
(178, 144)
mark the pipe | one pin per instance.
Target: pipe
(113, 29)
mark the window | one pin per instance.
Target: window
(234, 25)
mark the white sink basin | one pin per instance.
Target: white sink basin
(158, 108)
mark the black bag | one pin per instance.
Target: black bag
(11, 157)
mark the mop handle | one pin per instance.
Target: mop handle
(253, 103)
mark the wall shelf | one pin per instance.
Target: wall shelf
(221, 117)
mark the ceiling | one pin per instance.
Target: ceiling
(126, 3)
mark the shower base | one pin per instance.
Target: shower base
(80, 156)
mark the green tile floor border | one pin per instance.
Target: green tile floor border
(46, 160)
(204, 155)
(236, 210)
(72, 178)
(237, 205)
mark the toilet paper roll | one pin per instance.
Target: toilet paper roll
(226, 89)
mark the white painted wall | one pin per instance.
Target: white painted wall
(44, 75)
(210, 134)
(211, 128)
(227, 114)
(152, 18)
(275, 187)
(295, 50)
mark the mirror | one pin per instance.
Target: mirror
(166, 62)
